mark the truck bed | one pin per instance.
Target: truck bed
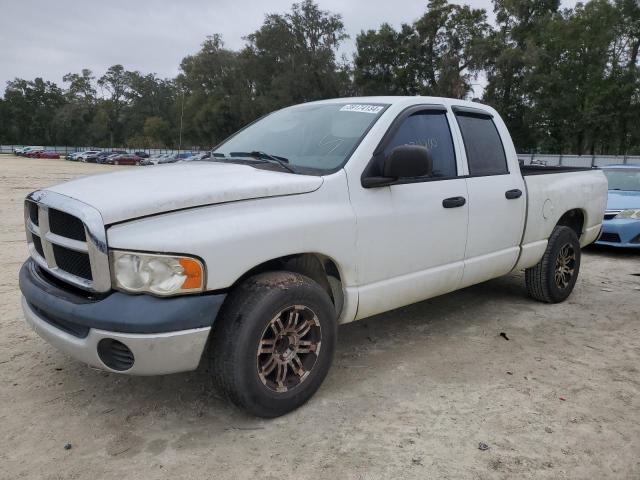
(581, 191)
(544, 169)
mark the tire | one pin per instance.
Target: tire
(552, 279)
(245, 326)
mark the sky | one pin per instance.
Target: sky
(46, 38)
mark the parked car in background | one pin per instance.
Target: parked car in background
(123, 159)
(22, 151)
(176, 157)
(102, 156)
(83, 155)
(197, 157)
(105, 160)
(170, 158)
(89, 156)
(621, 226)
(142, 154)
(152, 160)
(48, 154)
(159, 158)
(33, 153)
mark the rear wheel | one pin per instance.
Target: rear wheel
(273, 343)
(552, 279)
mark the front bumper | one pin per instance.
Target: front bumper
(620, 232)
(153, 353)
(163, 335)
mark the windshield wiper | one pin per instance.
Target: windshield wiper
(258, 155)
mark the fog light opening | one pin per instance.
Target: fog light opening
(115, 355)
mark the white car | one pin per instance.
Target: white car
(156, 159)
(197, 157)
(83, 156)
(24, 150)
(313, 216)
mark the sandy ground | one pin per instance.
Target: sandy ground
(411, 393)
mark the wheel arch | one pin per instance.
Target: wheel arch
(574, 219)
(320, 268)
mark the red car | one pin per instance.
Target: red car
(48, 154)
(33, 153)
(124, 159)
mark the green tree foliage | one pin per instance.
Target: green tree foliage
(564, 80)
(293, 57)
(78, 110)
(148, 99)
(436, 55)
(567, 81)
(213, 93)
(30, 107)
(508, 64)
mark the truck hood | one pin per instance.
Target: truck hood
(139, 192)
(621, 199)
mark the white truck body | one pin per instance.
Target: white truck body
(391, 245)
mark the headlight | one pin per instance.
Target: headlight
(630, 213)
(157, 274)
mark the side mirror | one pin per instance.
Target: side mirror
(408, 161)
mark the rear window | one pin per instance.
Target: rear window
(485, 153)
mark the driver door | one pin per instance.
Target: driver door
(412, 236)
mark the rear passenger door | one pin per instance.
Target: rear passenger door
(496, 199)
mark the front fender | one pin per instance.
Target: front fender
(234, 237)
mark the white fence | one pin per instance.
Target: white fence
(578, 160)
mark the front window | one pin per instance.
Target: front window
(429, 129)
(623, 179)
(313, 138)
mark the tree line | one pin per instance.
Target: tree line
(564, 80)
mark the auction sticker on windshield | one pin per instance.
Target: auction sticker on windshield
(362, 108)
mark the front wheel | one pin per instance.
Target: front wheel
(552, 279)
(273, 343)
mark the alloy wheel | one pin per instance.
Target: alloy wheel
(565, 265)
(289, 348)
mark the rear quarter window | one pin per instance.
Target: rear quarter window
(483, 145)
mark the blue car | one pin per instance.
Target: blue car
(621, 226)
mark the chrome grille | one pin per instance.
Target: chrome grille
(67, 238)
(33, 212)
(66, 225)
(76, 263)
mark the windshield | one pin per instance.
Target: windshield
(314, 138)
(623, 179)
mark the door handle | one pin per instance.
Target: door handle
(511, 194)
(454, 202)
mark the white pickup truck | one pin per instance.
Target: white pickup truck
(312, 216)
